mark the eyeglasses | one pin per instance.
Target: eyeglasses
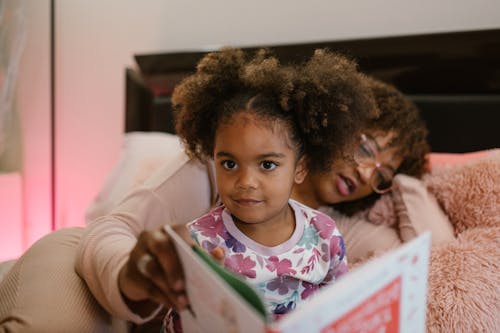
(367, 155)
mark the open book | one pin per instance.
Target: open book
(387, 294)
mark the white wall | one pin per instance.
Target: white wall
(96, 40)
(33, 101)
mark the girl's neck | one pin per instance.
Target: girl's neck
(304, 193)
(269, 233)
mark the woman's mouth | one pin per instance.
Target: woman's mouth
(345, 186)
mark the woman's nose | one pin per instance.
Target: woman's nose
(365, 172)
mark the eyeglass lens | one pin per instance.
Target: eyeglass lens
(382, 179)
(367, 154)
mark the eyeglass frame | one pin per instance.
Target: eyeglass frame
(374, 162)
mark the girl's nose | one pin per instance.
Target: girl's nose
(246, 179)
(365, 172)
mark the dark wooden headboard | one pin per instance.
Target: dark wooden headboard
(454, 78)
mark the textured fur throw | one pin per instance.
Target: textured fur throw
(464, 275)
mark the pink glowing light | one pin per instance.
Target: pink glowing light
(11, 235)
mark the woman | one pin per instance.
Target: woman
(112, 246)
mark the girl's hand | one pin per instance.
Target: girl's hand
(153, 274)
(218, 254)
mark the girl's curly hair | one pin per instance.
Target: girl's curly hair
(227, 82)
(399, 115)
(321, 101)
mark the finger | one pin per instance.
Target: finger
(146, 270)
(136, 286)
(167, 257)
(158, 296)
(166, 270)
(151, 269)
(143, 262)
(218, 254)
(150, 276)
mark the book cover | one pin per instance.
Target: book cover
(386, 294)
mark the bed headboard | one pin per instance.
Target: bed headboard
(454, 78)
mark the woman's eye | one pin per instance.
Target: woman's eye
(268, 165)
(228, 164)
(367, 151)
(384, 177)
(364, 155)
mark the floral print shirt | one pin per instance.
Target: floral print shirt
(314, 256)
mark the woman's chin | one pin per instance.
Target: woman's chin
(334, 198)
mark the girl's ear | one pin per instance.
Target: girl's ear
(300, 170)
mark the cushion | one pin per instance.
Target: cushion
(142, 155)
(406, 212)
(411, 210)
(417, 206)
(438, 160)
(418, 211)
(463, 290)
(470, 192)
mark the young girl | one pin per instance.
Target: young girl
(285, 249)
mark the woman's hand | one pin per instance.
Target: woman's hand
(153, 274)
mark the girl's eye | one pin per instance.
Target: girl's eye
(268, 165)
(228, 164)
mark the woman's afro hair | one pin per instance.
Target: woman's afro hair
(399, 115)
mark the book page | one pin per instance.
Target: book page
(387, 294)
(215, 307)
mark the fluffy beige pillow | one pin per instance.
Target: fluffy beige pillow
(142, 155)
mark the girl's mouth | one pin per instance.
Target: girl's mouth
(247, 202)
